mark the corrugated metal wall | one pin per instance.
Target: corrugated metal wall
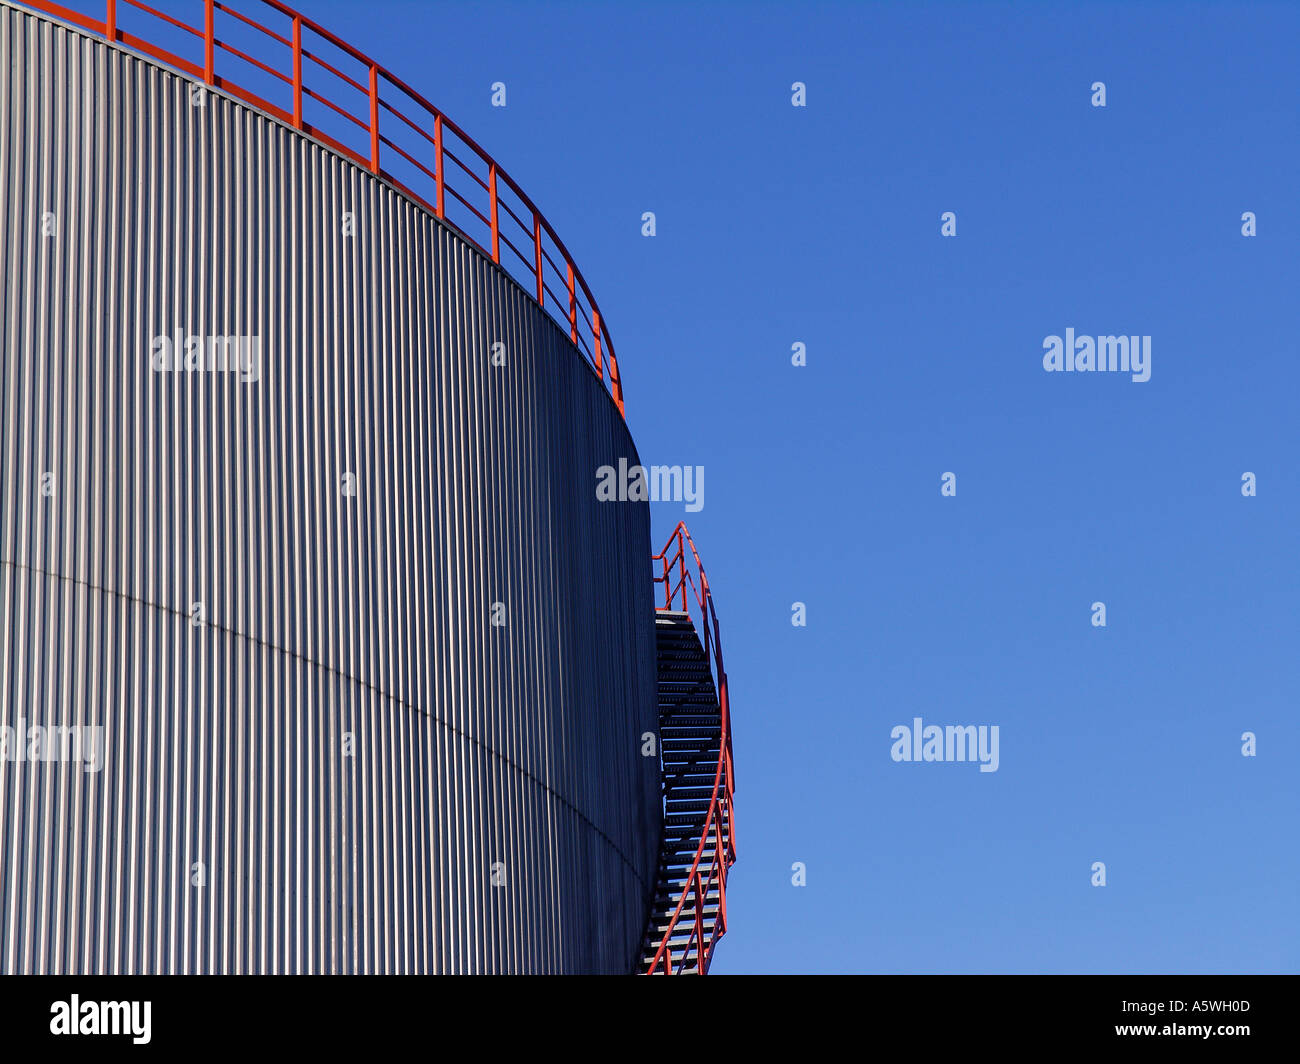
(321, 766)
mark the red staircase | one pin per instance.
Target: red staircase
(698, 845)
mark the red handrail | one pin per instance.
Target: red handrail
(716, 852)
(377, 87)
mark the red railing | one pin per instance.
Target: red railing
(683, 592)
(414, 149)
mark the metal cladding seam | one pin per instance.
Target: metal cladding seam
(325, 768)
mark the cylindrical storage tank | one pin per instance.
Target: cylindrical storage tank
(318, 652)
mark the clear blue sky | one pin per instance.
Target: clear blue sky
(822, 225)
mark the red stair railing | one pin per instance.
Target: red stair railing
(414, 137)
(716, 852)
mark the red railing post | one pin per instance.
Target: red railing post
(615, 382)
(724, 707)
(595, 333)
(374, 118)
(699, 925)
(573, 307)
(704, 609)
(209, 41)
(720, 856)
(110, 20)
(438, 162)
(496, 228)
(537, 256)
(681, 569)
(297, 72)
